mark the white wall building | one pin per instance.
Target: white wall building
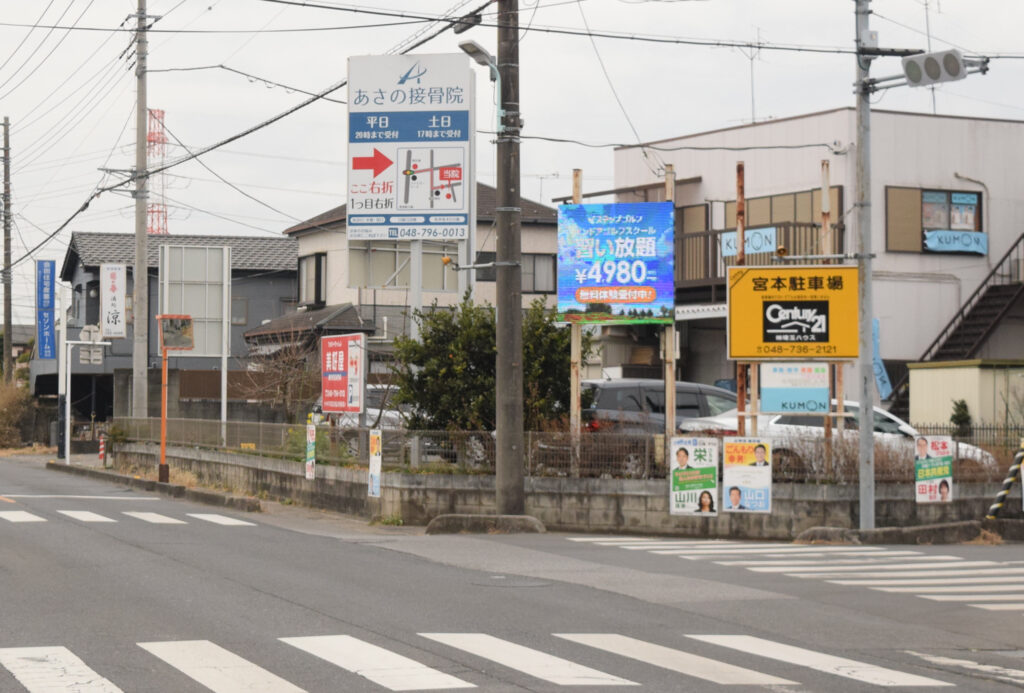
(927, 173)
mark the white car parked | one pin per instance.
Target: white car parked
(888, 429)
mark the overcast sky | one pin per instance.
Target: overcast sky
(70, 93)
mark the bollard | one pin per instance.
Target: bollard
(103, 451)
(1011, 476)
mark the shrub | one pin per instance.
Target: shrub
(14, 405)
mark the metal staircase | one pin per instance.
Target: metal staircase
(974, 322)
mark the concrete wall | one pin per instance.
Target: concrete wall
(993, 390)
(612, 505)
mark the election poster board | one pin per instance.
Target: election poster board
(693, 478)
(746, 475)
(616, 263)
(310, 451)
(933, 469)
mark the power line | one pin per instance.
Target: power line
(250, 77)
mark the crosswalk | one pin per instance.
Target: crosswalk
(982, 584)
(89, 517)
(465, 660)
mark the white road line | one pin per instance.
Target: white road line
(851, 569)
(972, 587)
(20, 516)
(646, 546)
(221, 519)
(596, 539)
(969, 597)
(218, 669)
(529, 661)
(675, 660)
(85, 516)
(929, 581)
(155, 518)
(53, 669)
(1010, 606)
(858, 560)
(759, 549)
(918, 573)
(830, 664)
(383, 667)
(79, 497)
(1002, 673)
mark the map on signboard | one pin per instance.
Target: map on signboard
(432, 178)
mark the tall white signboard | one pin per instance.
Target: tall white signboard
(112, 291)
(410, 131)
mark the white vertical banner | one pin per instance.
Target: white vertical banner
(113, 280)
(376, 462)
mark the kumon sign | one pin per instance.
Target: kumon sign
(793, 312)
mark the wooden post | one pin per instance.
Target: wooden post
(755, 401)
(575, 356)
(669, 340)
(741, 371)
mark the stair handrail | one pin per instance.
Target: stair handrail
(969, 304)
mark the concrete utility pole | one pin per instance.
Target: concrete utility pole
(509, 493)
(8, 320)
(866, 367)
(140, 273)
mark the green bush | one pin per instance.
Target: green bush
(14, 405)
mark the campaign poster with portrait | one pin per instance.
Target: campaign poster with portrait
(746, 475)
(933, 469)
(693, 477)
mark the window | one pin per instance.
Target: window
(313, 279)
(379, 264)
(718, 404)
(914, 215)
(538, 272)
(239, 311)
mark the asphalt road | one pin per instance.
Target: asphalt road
(106, 589)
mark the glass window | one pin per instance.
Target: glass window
(239, 311)
(687, 404)
(719, 403)
(618, 399)
(934, 210)
(313, 279)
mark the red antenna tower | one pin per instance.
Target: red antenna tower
(156, 145)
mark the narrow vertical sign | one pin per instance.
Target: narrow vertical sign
(376, 462)
(46, 339)
(311, 450)
(112, 292)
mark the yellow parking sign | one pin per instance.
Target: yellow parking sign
(793, 312)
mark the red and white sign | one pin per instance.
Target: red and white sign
(342, 369)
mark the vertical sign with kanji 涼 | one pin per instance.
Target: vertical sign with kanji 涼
(112, 293)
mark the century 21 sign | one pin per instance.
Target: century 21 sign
(805, 312)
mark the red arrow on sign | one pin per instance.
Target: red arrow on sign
(378, 162)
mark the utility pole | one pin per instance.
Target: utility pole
(866, 367)
(509, 492)
(8, 320)
(140, 273)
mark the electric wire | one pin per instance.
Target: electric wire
(248, 76)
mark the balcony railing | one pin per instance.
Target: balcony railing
(699, 260)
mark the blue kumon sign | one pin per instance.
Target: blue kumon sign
(949, 241)
(616, 263)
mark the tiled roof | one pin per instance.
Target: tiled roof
(247, 252)
(486, 201)
(343, 317)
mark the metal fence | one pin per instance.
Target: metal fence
(547, 454)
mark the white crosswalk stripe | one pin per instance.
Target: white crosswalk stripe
(385, 668)
(155, 518)
(20, 516)
(899, 571)
(221, 520)
(53, 669)
(56, 669)
(527, 660)
(830, 664)
(85, 516)
(675, 660)
(220, 670)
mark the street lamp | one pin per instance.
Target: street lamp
(479, 54)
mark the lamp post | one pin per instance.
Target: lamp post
(509, 492)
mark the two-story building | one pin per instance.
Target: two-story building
(946, 218)
(263, 287)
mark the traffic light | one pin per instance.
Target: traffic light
(923, 69)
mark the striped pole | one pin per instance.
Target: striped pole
(1011, 477)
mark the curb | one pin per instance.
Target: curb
(173, 490)
(485, 524)
(944, 533)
